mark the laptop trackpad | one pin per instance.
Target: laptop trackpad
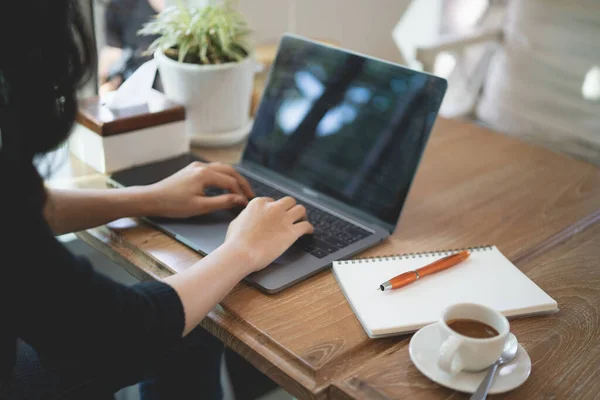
(207, 232)
(204, 233)
(291, 255)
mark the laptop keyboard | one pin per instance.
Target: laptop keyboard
(331, 233)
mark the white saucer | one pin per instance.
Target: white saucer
(221, 139)
(424, 352)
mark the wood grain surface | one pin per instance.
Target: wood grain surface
(157, 110)
(474, 187)
(564, 347)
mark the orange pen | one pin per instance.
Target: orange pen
(436, 266)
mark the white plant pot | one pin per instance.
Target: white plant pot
(216, 98)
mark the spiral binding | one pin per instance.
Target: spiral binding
(396, 257)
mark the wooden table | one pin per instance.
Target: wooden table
(564, 347)
(473, 187)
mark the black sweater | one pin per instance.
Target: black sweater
(57, 303)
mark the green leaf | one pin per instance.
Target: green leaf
(213, 34)
(184, 47)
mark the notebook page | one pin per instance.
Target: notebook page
(486, 277)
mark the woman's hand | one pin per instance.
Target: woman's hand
(182, 194)
(260, 234)
(267, 228)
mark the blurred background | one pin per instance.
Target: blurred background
(526, 68)
(529, 68)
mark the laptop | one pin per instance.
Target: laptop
(340, 132)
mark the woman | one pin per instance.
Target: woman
(66, 331)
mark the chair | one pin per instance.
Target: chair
(530, 74)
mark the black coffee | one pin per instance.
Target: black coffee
(472, 328)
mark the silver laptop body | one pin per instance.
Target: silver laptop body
(340, 132)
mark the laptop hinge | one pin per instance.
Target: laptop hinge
(312, 195)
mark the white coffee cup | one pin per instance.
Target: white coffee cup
(463, 353)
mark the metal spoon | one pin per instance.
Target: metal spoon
(508, 353)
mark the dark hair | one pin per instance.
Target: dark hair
(47, 54)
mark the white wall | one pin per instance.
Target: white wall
(361, 25)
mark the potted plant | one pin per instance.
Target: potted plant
(205, 63)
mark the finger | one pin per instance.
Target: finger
(229, 170)
(196, 164)
(286, 202)
(221, 202)
(304, 228)
(223, 181)
(297, 213)
(262, 200)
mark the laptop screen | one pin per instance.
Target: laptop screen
(348, 126)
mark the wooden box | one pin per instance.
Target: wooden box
(110, 140)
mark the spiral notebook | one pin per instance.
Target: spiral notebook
(486, 277)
